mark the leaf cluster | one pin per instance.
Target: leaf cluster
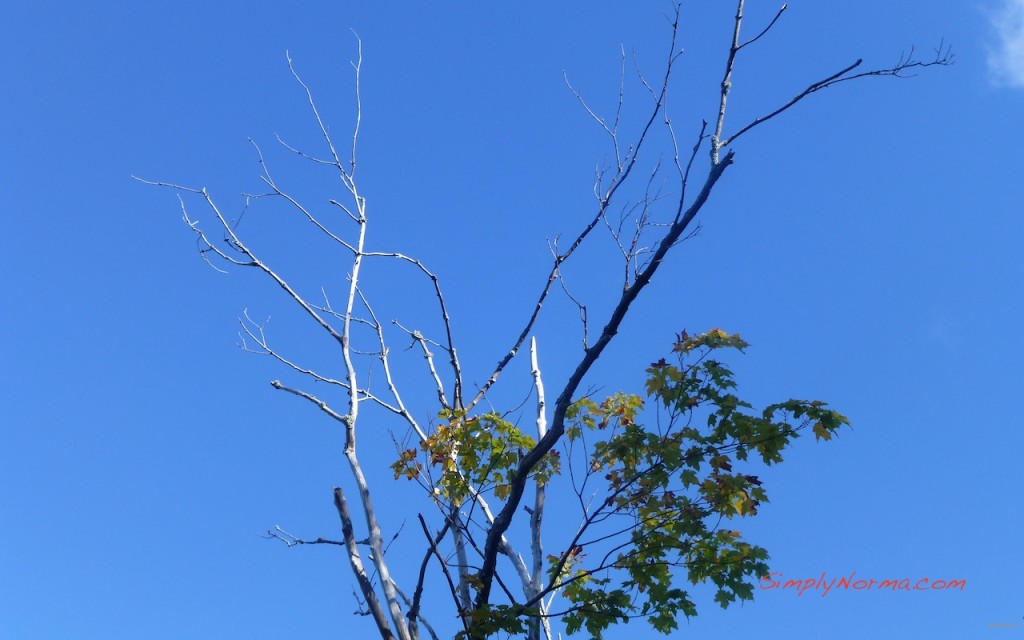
(478, 453)
(673, 485)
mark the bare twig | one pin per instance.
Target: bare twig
(766, 29)
(580, 307)
(291, 540)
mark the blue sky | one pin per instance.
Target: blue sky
(866, 244)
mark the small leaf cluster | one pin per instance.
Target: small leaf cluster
(481, 452)
(492, 619)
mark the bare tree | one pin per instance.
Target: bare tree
(650, 499)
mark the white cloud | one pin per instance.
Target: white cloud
(1006, 57)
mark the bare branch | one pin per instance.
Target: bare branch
(255, 331)
(399, 406)
(269, 181)
(580, 307)
(344, 340)
(428, 355)
(414, 607)
(356, 561)
(323, 406)
(344, 208)
(460, 535)
(579, 96)
(291, 540)
(445, 318)
(414, 623)
(235, 242)
(346, 177)
(716, 137)
(540, 491)
(943, 57)
(302, 154)
(205, 245)
(685, 173)
(357, 66)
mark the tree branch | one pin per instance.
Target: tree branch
(537, 515)
(444, 568)
(414, 608)
(356, 562)
(504, 519)
(943, 57)
(622, 175)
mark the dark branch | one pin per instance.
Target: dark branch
(504, 519)
(444, 569)
(943, 58)
(414, 609)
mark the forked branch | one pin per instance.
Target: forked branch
(906, 63)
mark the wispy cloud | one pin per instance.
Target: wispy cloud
(1006, 56)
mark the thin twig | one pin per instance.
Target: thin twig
(291, 540)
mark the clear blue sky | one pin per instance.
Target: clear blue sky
(867, 244)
